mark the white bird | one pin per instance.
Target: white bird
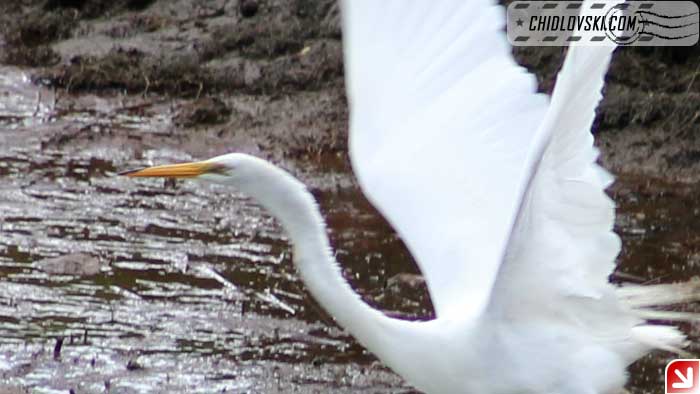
(496, 193)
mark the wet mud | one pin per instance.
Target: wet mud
(121, 286)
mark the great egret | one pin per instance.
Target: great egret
(494, 190)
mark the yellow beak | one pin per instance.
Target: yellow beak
(183, 170)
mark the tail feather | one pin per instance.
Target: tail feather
(644, 296)
(650, 314)
(667, 338)
(643, 299)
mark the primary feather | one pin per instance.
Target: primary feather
(563, 244)
(442, 122)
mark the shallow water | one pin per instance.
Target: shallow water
(187, 287)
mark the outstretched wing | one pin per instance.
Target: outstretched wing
(442, 123)
(563, 247)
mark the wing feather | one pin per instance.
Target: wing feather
(442, 123)
(563, 247)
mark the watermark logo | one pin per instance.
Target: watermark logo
(683, 376)
(639, 23)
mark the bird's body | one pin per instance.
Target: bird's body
(496, 193)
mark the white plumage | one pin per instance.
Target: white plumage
(434, 92)
(494, 189)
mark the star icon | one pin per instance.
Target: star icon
(519, 22)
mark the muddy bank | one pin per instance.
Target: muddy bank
(191, 288)
(258, 53)
(273, 68)
(649, 117)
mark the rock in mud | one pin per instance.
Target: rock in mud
(78, 264)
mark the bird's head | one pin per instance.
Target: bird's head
(236, 169)
(269, 185)
(255, 177)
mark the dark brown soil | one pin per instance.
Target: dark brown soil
(283, 49)
(183, 47)
(649, 119)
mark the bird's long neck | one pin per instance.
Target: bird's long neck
(290, 202)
